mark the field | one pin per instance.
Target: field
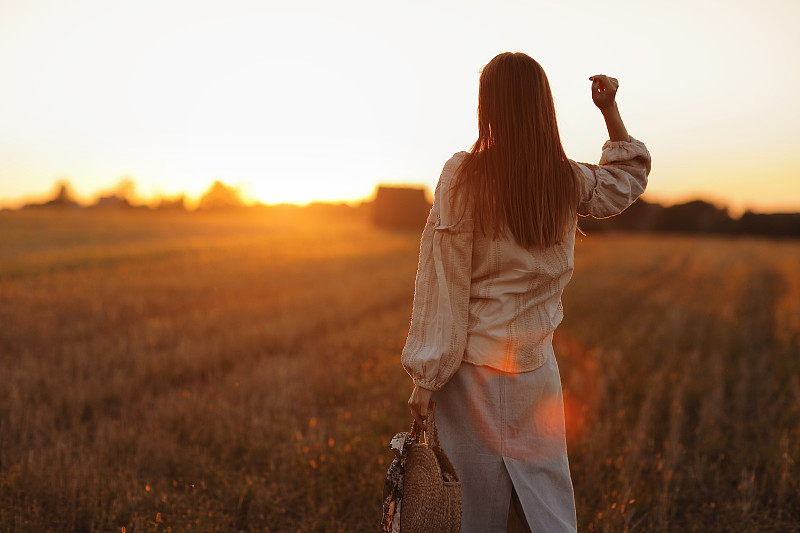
(240, 372)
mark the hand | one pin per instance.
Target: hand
(604, 91)
(419, 403)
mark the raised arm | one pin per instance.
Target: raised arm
(621, 176)
(604, 92)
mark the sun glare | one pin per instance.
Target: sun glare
(260, 102)
(284, 127)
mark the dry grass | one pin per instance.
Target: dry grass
(241, 372)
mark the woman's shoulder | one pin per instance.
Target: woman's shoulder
(450, 170)
(455, 160)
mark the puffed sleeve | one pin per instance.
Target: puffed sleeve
(607, 189)
(437, 336)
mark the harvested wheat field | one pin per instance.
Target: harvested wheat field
(240, 372)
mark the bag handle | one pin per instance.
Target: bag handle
(431, 434)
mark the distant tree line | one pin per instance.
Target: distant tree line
(408, 207)
(696, 216)
(218, 196)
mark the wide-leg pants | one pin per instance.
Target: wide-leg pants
(503, 431)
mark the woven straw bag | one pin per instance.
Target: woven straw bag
(431, 488)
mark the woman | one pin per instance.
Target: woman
(496, 254)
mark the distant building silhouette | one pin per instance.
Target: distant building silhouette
(173, 204)
(121, 196)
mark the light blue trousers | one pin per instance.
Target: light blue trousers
(505, 431)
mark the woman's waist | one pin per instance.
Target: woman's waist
(510, 354)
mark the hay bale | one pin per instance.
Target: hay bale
(400, 207)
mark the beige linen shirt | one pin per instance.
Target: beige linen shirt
(489, 301)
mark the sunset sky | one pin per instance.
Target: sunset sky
(317, 100)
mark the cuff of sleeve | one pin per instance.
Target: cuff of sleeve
(428, 385)
(614, 151)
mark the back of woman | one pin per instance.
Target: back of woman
(496, 254)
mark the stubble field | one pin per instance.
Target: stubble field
(240, 372)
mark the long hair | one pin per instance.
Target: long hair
(516, 176)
